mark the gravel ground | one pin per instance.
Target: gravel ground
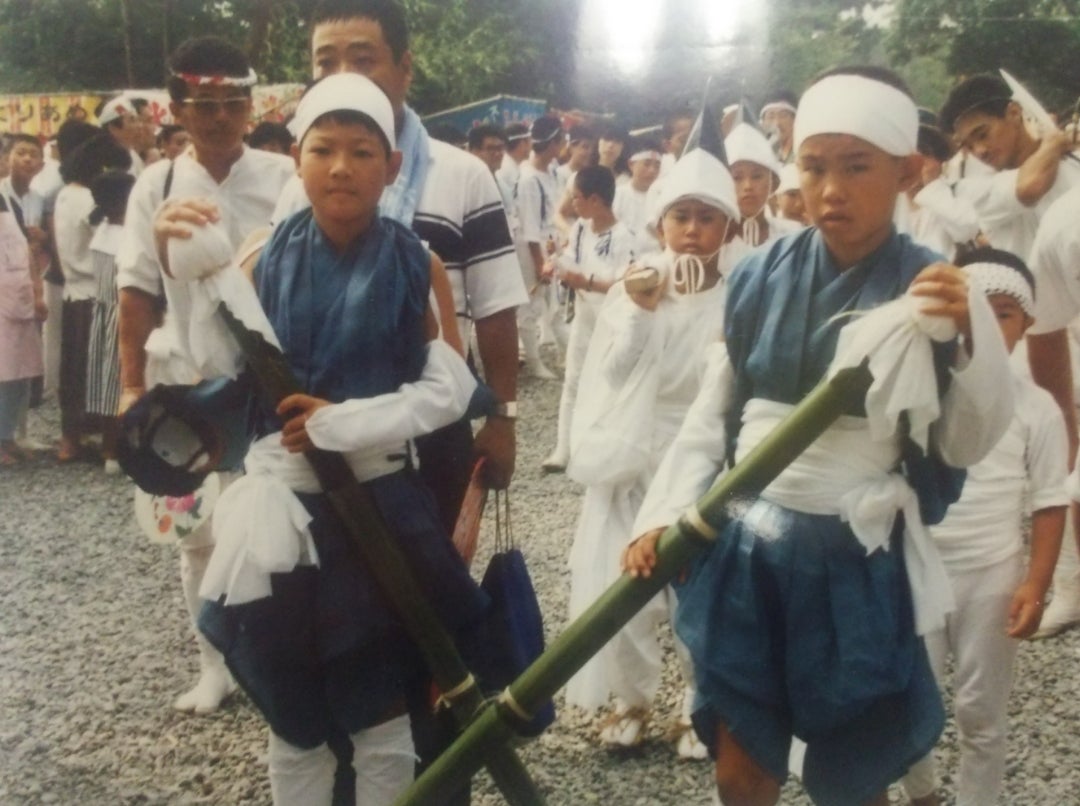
(95, 644)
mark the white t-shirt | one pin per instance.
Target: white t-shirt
(939, 219)
(1006, 222)
(71, 221)
(538, 203)
(631, 207)
(603, 255)
(983, 527)
(1055, 262)
(245, 199)
(31, 203)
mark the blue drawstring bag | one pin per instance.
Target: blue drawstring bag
(514, 629)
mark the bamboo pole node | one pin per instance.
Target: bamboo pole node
(696, 522)
(512, 705)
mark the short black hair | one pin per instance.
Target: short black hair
(485, 131)
(110, 191)
(985, 93)
(668, 129)
(516, 131)
(932, 143)
(580, 132)
(596, 180)
(23, 137)
(871, 71)
(643, 143)
(271, 132)
(389, 14)
(205, 55)
(781, 96)
(987, 254)
(166, 132)
(610, 130)
(92, 158)
(73, 133)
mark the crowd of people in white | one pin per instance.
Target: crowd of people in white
(696, 281)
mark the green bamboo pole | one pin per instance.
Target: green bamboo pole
(386, 562)
(679, 544)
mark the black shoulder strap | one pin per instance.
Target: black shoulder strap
(168, 180)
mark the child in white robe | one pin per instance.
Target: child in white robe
(981, 543)
(599, 250)
(645, 364)
(756, 172)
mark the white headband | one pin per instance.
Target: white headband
(197, 79)
(994, 278)
(115, 109)
(782, 106)
(646, 155)
(862, 107)
(343, 92)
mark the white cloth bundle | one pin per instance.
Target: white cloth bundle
(205, 263)
(260, 526)
(896, 338)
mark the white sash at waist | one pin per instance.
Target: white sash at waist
(260, 526)
(848, 474)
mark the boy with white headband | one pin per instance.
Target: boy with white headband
(778, 120)
(981, 542)
(756, 171)
(800, 623)
(631, 205)
(218, 179)
(644, 367)
(346, 292)
(596, 256)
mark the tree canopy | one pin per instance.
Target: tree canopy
(569, 51)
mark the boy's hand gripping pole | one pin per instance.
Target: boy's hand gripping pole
(608, 614)
(386, 562)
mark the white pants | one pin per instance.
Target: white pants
(636, 657)
(383, 759)
(983, 654)
(54, 298)
(553, 321)
(581, 330)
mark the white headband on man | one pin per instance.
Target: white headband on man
(199, 80)
(778, 106)
(115, 109)
(343, 92)
(646, 155)
(995, 278)
(862, 107)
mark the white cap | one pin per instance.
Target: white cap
(744, 143)
(115, 109)
(701, 176)
(344, 92)
(789, 179)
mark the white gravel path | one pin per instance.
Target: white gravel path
(95, 644)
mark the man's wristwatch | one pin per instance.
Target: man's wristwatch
(507, 410)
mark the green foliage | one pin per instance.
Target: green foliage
(1036, 40)
(465, 50)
